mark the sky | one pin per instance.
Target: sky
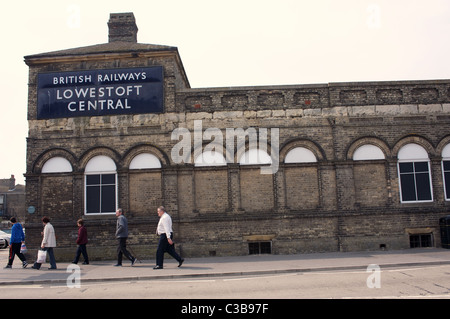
(231, 43)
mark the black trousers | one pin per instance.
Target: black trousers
(14, 249)
(163, 247)
(122, 250)
(81, 250)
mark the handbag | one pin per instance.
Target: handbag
(23, 249)
(42, 256)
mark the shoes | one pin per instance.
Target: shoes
(133, 262)
(118, 265)
(24, 265)
(157, 267)
(52, 268)
(181, 262)
(86, 263)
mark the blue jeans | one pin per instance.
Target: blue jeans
(50, 254)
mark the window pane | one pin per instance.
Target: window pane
(446, 165)
(92, 179)
(253, 248)
(266, 248)
(447, 185)
(421, 167)
(406, 167)
(93, 199)
(100, 193)
(414, 241)
(408, 187)
(108, 199)
(423, 186)
(426, 241)
(109, 179)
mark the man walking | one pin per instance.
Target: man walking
(17, 238)
(165, 244)
(122, 235)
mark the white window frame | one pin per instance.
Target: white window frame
(414, 153)
(101, 165)
(445, 158)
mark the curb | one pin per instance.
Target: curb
(222, 274)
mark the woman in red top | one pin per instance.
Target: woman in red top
(82, 240)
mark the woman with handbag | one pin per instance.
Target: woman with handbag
(48, 243)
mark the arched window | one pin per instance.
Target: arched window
(446, 170)
(57, 165)
(368, 152)
(414, 174)
(145, 161)
(300, 155)
(255, 157)
(210, 158)
(101, 186)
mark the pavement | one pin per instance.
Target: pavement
(252, 265)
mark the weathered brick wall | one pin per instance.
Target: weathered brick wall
(302, 188)
(145, 193)
(211, 190)
(252, 183)
(370, 184)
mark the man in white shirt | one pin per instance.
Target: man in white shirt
(165, 244)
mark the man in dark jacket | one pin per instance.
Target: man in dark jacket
(17, 238)
(82, 240)
(122, 235)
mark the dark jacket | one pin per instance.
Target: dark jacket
(122, 227)
(82, 236)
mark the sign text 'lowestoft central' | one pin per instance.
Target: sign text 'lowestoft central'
(100, 92)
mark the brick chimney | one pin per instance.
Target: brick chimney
(122, 27)
(12, 183)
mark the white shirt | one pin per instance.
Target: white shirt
(164, 225)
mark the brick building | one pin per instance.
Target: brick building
(12, 200)
(359, 166)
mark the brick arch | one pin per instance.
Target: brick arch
(371, 141)
(443, 143)
(241, 148)
(415, 139)
(201, 148)
(308, 144)
(55, 152)
(106, 151)
(145, 148)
